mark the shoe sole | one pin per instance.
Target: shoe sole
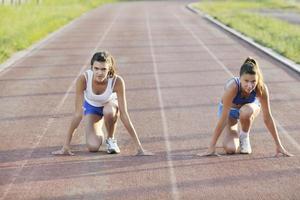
(245, 152)
(112, 152)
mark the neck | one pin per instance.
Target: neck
(245, 94)
(103, 82)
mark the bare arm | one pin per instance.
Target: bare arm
(124, 116)
(269, 122)
(77, 117)
(228, 95)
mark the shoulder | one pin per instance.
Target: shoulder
(119, 81)
(82, 78)
(81, 81)
(265, 92)
(231, 86)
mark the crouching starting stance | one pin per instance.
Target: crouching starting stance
(100, 96)
(242, 100)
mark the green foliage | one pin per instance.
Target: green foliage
(25, 24)
(245, 17)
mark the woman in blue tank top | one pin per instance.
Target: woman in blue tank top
(242, 100)
(100, 98)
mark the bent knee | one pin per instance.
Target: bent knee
(110, 109)
(230, 149)
(246, 114)
(93, 148)
(110, 116)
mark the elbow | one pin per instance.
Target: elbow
(267, 119)
(124, 117)
(123, 114)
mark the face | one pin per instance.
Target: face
(248, 82)
(100, 70)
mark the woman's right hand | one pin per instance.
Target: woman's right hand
(210, 152)
(143, 152)
(63, 151)
(280, 150)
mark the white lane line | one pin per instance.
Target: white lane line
(280, 127)
(288, 136)
(56, 110)
(175, 193)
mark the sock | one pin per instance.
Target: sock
(244, 134)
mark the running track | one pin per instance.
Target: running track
(175, 65)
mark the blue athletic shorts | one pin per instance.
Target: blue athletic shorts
(89, 109)
(234, 112)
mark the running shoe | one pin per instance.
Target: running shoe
(112, 146)
(245, 144)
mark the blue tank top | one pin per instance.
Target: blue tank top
(238, 99)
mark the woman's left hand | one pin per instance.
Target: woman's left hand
(142, 152)
(281, 151)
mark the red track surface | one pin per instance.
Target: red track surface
(173, 63)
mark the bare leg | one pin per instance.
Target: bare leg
(248, 113)
(231, 137)
(110, 112)
(94, 137)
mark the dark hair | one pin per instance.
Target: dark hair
(250, 66)
(106, 57)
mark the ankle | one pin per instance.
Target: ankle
(244, 134)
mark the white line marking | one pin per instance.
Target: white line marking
(175, 193)
(287, 135)
(283, 131)
(289, 63)
(58, 107)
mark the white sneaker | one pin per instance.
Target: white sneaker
(112, 146)
(245, 144)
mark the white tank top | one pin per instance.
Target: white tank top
(101, 99)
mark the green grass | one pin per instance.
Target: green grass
(23, 25)
(274, 33)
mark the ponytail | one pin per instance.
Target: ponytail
(250, 66)
(112, 68)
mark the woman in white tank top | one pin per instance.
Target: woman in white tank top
(100, 93)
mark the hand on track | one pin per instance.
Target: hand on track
(144, 153)
(63, 151)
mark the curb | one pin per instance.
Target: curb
(285, 61)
